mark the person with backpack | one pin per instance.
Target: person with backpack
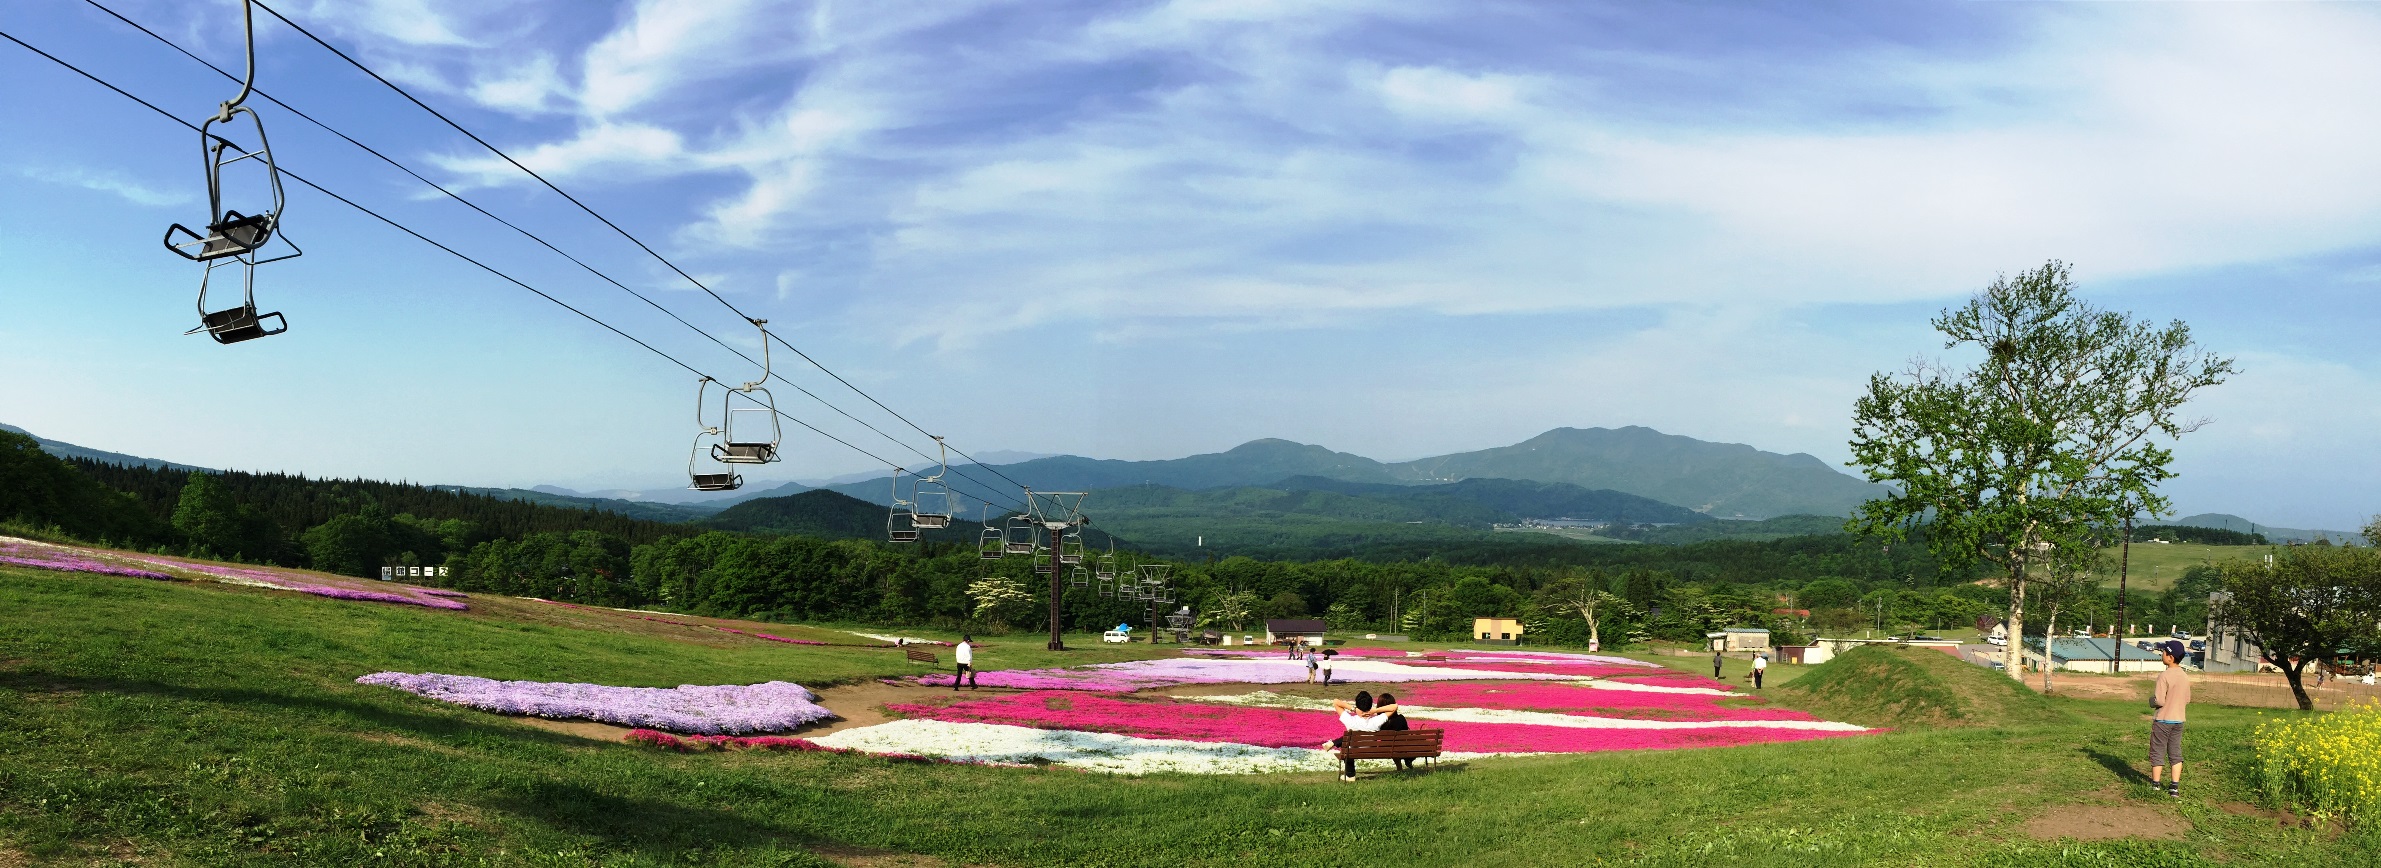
(1311, 665)
(2170, 703)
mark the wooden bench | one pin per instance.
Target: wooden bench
(1404, 744)
(1434, 658)
(920, 655)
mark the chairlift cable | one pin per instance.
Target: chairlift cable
(432, 242)
(781, 341)
(400, 166)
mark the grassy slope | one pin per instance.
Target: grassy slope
(1881, 685)
(2154, 566)
(199, 724)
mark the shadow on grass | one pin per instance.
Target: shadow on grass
(657, 828)
(2116, 765)
(316, 707)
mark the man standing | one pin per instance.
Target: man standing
(1715, 664)
(966, 655)
(2169, 704)
(1760, 668)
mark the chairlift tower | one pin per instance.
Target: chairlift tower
(1059, 514)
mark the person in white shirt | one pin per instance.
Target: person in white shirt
(1760, 668)
(966, 654)
(1358, 716)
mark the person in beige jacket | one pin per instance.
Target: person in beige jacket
(2170, 704)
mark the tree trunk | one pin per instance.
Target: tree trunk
(1592, 639)
(2050, 642)
(2013, 655)
(2293, 670)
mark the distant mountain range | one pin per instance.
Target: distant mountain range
(64, 449)
(2221, 521)
(1717, 479)
(1634, 473)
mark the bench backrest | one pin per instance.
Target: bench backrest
(918, 656)
(1393, 745)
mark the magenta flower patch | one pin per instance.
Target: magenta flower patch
(1276, 727)
(1571, 699)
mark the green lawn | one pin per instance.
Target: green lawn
(2155, 566)
(162, 723)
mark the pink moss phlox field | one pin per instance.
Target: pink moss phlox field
(683, 743)
(1188, 721)
(1275, 727)
(1284, 654)
(68, 564)
(71, 560)
(733, 709)
(1144, 674)
(1578, 670)
(1584, 701)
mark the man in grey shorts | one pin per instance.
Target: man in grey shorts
(2169, 704)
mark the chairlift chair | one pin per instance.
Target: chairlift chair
(233, 236)
(1107, 587)
(1021, 537)
(992, 543)
(898, 526)
(932, 499)
(1070, 547)
(1078, 578)
(1106, 566)
(715, 478)
(1042, 564)
(752, 433)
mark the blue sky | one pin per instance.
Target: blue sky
(1142, 230)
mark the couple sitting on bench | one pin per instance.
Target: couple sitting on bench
(1375, 730)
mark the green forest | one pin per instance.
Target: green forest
(820, 556)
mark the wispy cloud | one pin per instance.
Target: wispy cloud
(110, 182)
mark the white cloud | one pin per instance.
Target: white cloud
(113, 183)
(624, 150)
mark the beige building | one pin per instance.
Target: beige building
(1496, 631)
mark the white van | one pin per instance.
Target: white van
(1116, 636)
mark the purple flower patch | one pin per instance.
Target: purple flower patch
(732, 709)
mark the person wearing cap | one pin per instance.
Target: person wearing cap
(2170, 703)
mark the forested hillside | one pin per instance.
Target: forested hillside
(1429, 581)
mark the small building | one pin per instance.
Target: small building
(2076, 654)
(1805, 654)
(1496, 631)
(1739, 639)
(1303, 631)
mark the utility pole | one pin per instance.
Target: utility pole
(2116, 632)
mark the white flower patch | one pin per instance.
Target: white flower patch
(895, 640)
(1600, 684)
(1097, 751)
(1269, 699)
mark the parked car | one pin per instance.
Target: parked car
(1116, 636)
(1996, 640)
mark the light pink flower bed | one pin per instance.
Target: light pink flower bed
(1273, 727)
(1143, 674)
(77, 559)
(1585, 701)
(1570, 670)
(1280, 654)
